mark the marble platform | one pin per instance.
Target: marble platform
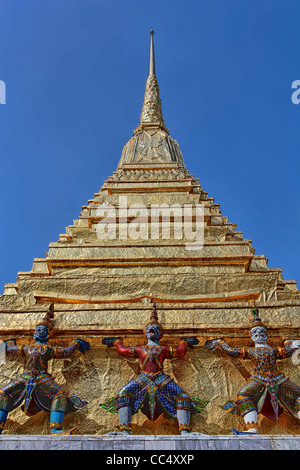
(149, 443)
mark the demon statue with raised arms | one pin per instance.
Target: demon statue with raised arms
(152, 391)
(268, 390)
(35, 387)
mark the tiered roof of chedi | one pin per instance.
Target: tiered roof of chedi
(81, 268)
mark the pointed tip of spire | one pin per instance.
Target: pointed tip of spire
(152, 56)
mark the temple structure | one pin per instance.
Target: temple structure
(105, 271)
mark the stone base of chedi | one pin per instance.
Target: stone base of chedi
(105, 287)
(138, 444)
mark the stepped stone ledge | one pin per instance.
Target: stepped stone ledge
(154, 443)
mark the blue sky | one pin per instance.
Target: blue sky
(75, 73)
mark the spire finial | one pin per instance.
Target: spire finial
(152, 56)
(151, 111)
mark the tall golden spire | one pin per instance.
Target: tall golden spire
(151, 144)
(152, 110)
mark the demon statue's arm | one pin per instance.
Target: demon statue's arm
(12, 348)
(122, 350)
(80, 344)
(187, 342)
(221, 344)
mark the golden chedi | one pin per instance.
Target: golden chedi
(133, 245)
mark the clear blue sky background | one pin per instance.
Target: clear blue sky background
(75, 72)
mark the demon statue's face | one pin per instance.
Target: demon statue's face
(41, 334)
(153, 333)
(259, 336)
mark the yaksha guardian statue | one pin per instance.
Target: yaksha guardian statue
(268, 388)
(35, 387)
(152, 391)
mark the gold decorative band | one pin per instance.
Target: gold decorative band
(55, 425)
(184, 427)
(251, 426)
(125, 427)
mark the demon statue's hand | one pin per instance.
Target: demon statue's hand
(191, 341)
(5, 345)
(295, 343)
(293, 346)
(212, 344)
(109, 342)
(83, 346)
(12, 340)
